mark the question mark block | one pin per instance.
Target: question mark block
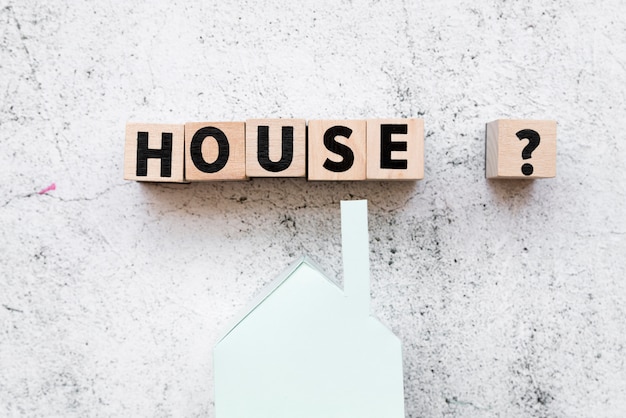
(521, 149)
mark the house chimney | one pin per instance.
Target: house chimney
(355, 250)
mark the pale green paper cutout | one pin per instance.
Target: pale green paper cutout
(306, 349)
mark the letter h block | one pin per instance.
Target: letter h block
(154, 152)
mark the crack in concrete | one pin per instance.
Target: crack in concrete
(23, 196)
(409, 38)
(91, 198)
(10, 309)
(455, 401)
(78, 199)
(23, 38)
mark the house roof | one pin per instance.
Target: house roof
(272, 287)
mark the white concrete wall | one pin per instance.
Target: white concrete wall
(509, 296)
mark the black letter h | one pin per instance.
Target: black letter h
(164, 154)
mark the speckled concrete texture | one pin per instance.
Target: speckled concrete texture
(509, 296)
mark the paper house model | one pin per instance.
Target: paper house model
(306, 348)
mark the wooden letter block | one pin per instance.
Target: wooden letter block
(154, 152)
(276, 148)
(337, 150)
(521, 149)
(395, 149)
(215, 151)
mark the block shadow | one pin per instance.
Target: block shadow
(265, 194)
(508, 191)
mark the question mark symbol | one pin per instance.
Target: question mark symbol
(533, 142)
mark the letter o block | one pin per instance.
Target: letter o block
(337, 150)
(215, 151)
(395, 149)
(276, 148)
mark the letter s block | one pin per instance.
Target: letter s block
(337, 150)
(154, 152)
(215, 151)
(395, 149)
(276, 148)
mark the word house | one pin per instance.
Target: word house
(335, 150)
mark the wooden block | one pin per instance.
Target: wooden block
(276, 148)
(215, 151)
(154, 152)
(395, 149)
(521, 149)
(337, 150)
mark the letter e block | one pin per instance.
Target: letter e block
(215, 151)
(395, 149)
(154, 152)
(521, 149)
(337, 150)
(276, 148)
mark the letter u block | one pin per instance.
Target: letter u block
(276, 148)
(215, 151)
(154, 152)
